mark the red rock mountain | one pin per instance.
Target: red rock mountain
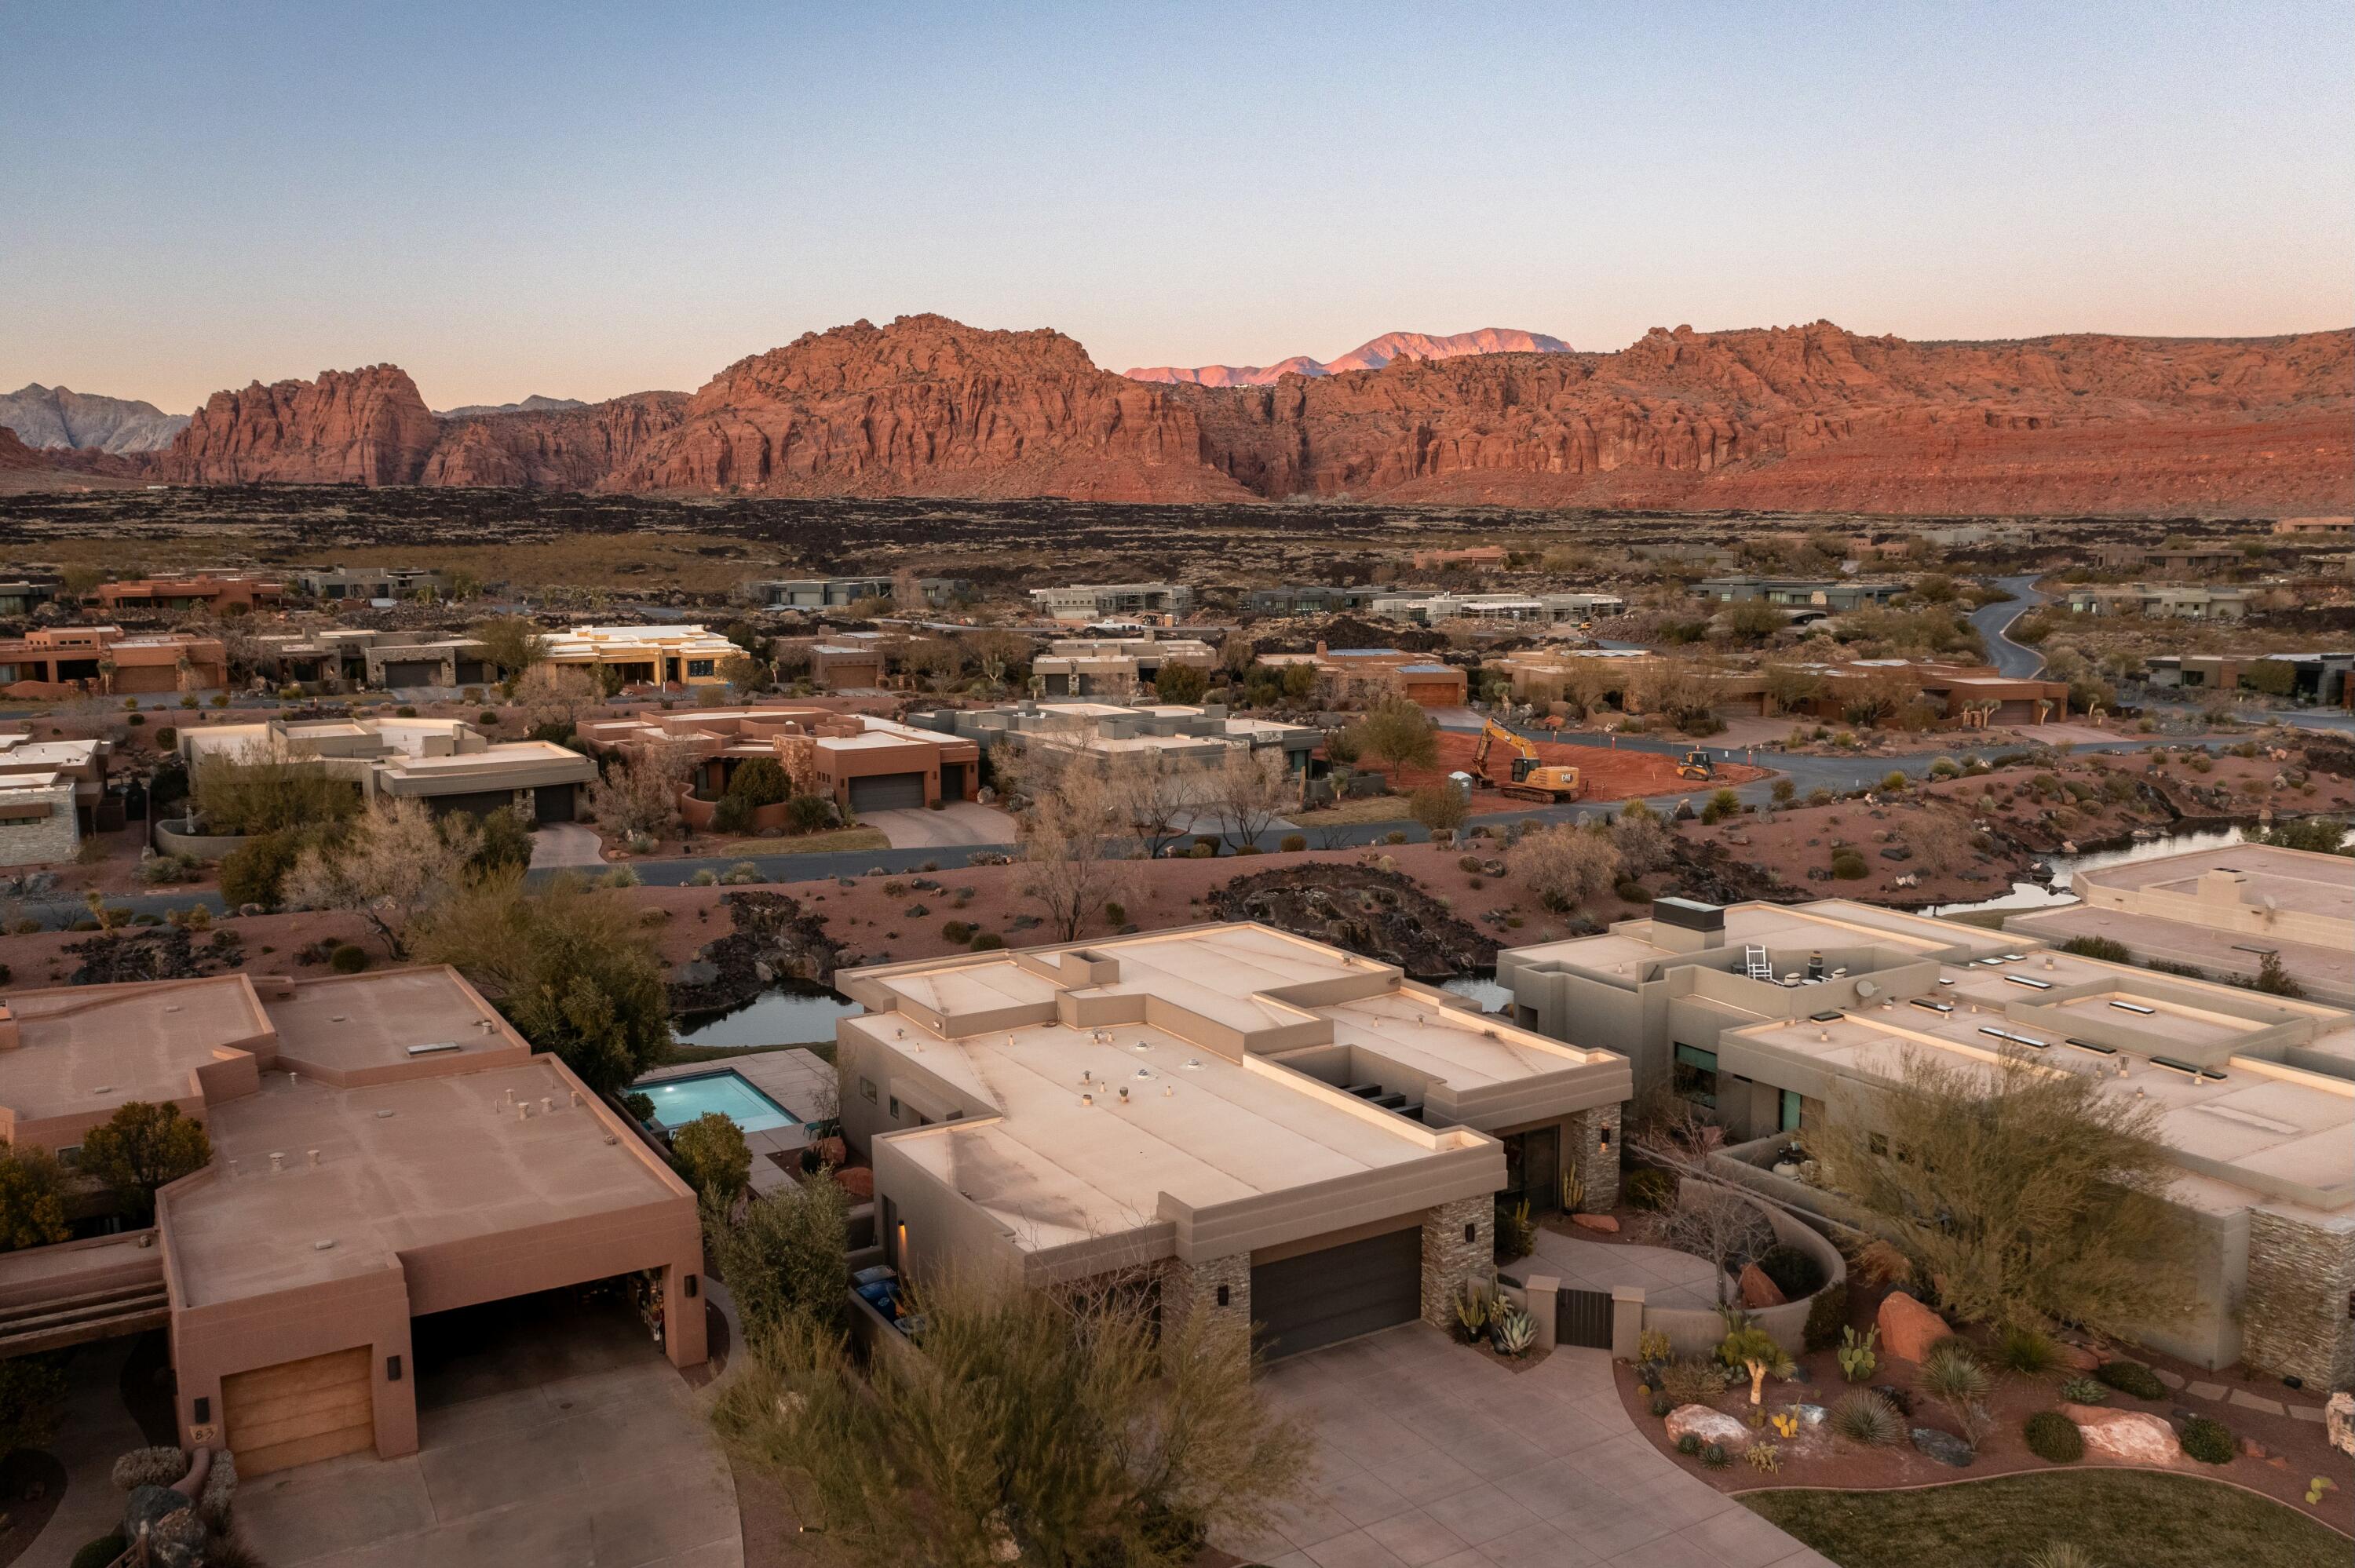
(1370, 355)
(1802, 419)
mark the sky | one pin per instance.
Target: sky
(583, 200)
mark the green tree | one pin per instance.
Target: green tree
(255, 871)
(714, 1158)
(32, 1198)
(140, 1148)
(2033, 1196)
(569, 967)
(1180, 683)
(511, 645)
(503, 842)
(260, 791)
(32, 1398)
(2318, 835)
(1438, 807)
(1398, 733)
(785, 1258)
(759, 782)
(1055, 1433)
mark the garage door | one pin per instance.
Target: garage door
(1321, 1297)
(298, 1412)
(888, 792)
(413, 672)
(552, 803)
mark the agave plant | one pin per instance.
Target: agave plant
(2085, 1391)
(1515, 1333)
(1866, 1417)
(2062, 1554)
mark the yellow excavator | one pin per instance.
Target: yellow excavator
(1696, 764)
(1530, 781)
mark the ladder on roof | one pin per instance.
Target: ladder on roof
(1753, 961)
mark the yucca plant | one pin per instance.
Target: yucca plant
(1754, 1350)
(1471, 1313)
(1953, 1375)
(2030, 1352)
(2062, 1554)
(1515, 1333)
(1866, 1417)
(1574, 1190)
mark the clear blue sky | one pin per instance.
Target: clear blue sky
(586, 200)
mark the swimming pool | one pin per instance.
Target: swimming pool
(678, 1101)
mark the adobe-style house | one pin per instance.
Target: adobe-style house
(219, 592)
(1369, 674)
(52, 663)
(859, 761)
(384, 1147)
(1248, 1123)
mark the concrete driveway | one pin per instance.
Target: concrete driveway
(562, 844)
(546, 1435)
(960, 822)
(1429, 1454)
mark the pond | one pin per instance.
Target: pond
(775, 1017)
(2033, 895)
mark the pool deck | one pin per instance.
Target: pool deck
(794, 1078)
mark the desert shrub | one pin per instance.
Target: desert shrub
(1293, 843)
(255, 871)
(1784, 791)
(706, 877)
(733, 815)
(2083, 1390)
(1794, 1272)
(2054, 1436)
(1848, 865)
(956, 931)
(1661, 1406)
(214, 1501)
(2102, 947)
(1201, 851)
(639, 1104)
(2028, 1351)
(1827, 1315)
(2209, 1440)
(759, 782)
(808, 813)
(1693, 1379)
(348, 959)
(1633, 892)
(32, 1402)
(1650, 1189)
(713, 1156)
(2132, 1377)
(987, 941)
(1860, 1416)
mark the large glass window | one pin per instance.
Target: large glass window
(1695, 1075)
(1790, 1122)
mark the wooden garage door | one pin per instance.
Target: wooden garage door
(1322, 1298)
(297, 1412)
(888, 792)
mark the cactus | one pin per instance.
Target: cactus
(1471, 1313)
(1857, 1359)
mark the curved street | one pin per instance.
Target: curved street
(2009, 658)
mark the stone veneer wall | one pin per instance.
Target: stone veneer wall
(2295, 1317)
(42, 840)
(1450, 1262)
(1598, 1168)
(1190, 1288)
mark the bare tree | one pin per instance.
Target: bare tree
(1563, 865)
(1153, 796)
(1255, 792)
(639, 795)
(998, 653)
(554, 696)
(394, 863)
(511, 645)
(1715, 1223)
(1068, 865)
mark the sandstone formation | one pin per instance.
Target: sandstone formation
(1370, 355)
(349, 427)
(1908, 1329)
(535, 403)
(928, 406)
(1708, 1425)
(1808, 419)
(60, 417)
(24, 469)
(2132, 1435)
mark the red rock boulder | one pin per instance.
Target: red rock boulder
(1757, 1290)
(1908, 1329)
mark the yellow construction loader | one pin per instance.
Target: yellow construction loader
(1530, 781)
(1695, 764)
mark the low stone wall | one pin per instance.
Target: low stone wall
(1694, 1331)
(196, 846)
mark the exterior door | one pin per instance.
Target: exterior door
(297, 1413)
(1323, 1297)
(1533, 1169)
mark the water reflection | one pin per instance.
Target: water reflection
(2031, 895)
(772, 1018)
(1485, 989)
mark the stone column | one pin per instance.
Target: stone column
(1459, 1249)
(1596, 1164)
(2294, 1313)
(1188, 1288)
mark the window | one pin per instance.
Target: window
(1790, 1120)
(698, 667)
(895, 1107)
(1695, 1075)
(866, 1089)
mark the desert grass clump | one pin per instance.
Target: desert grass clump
(1863, 1417)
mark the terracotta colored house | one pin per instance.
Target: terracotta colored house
(860, 762)
(384, 1147)
(1368, 674)
(199, 590)
(51, 663)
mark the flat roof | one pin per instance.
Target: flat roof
(2295, 880)
(405, 1165)
(1784, 931)
(355, 1023)
(88, 1049)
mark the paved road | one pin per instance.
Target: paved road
(2009, 658)
(958, 822)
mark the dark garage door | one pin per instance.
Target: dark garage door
(1321, 1297)
(888, 792)
(412, 672)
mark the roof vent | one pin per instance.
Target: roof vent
(327, 1245)
(435, 1048)
(314, 1155)
(383, 1115)
(277, 1161)
(1087, 1100)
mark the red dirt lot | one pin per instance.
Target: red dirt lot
(1605, 775)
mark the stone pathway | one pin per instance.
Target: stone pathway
(1429, 1454)
(1669, 1278)
(2217, 1392)
(95, 1432)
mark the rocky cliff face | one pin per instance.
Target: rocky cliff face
(1802, 419)
(349, 427)
(574, 447)
(60, 417)
(928, 406)
(1369, 356)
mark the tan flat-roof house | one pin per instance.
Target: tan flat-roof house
(1113, 667)
(2172, 601)
(1970, 694)
(384, 1147)
(850, 663)
(2221, 911)
(79, 767)
(670, 657)
(1369, 674)
(1764, 1015)
(1258, 1125)
(860, 762)
(1097, 602)
(362, 657)
(447, 763)
(1098, 732)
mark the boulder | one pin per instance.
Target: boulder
(1708, 1425)
(1757, 1290)
(1908, 1329)
(2339, 1418)
(2132, 1435)
(1943, 1447)
(1602, 1222)
(2077, 1358)
(1808, 1414)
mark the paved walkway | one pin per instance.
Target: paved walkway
(960, 822)
(560, 844)
(95, 1432)
(577, 1444)
(1430, 1453)
(1670, 1278)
